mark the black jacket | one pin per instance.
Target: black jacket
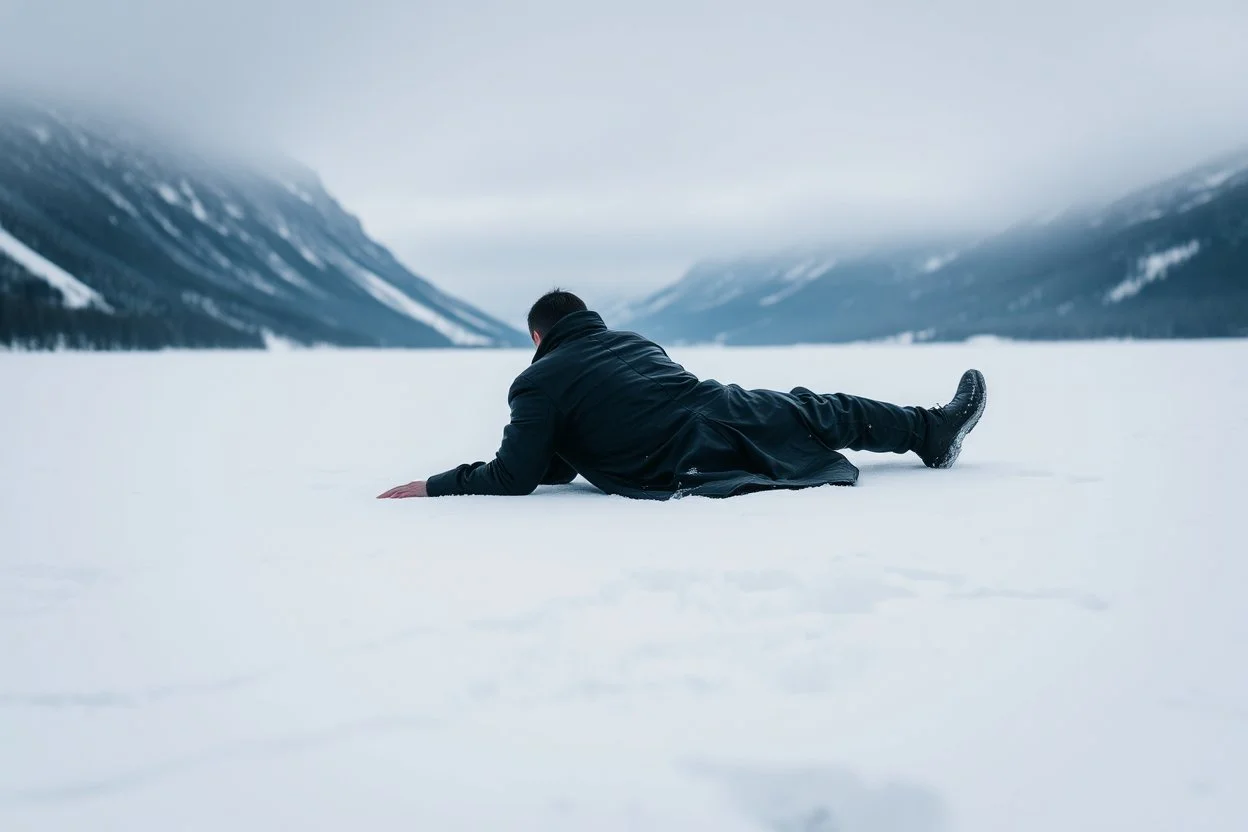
(614, 408)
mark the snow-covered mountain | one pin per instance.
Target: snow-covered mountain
(110, 240)
(1168, 261)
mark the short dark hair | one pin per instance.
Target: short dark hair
(551, 308)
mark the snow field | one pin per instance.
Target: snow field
(208, 622)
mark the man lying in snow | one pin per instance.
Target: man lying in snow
(612, 407)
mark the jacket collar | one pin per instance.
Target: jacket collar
(571, 327)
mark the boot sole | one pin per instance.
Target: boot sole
(955, 447)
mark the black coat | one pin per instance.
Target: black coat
(614, 408)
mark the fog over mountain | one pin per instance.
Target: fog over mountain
(502, 149)
(1170, 260)
(112, 237)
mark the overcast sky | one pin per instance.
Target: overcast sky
(503, 147)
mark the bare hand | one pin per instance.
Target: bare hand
(412, 489)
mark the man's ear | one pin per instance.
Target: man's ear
(537, 339)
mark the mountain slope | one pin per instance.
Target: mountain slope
(108, 240)
(1168, 261)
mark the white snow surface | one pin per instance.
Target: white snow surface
(170, 228)
(115, 198)
(1220, 178)
(277, 343)
(76, 294)
(298, 192)
(209, 306)
(938, 261)
(905, 338)
(286, 272)
(658, 304)
(1151, 268)
(168, 193)
(309, 255)
(210, 623)
(797, 278)
(196, 207)
(1203, 198)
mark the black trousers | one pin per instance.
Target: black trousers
(841, 422)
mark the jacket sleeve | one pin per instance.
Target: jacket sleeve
(525, 459)
(559, 472)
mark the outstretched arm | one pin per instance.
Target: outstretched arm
(525, 459)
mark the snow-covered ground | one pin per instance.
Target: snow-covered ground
(208, 622)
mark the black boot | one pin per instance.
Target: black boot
(949, 424)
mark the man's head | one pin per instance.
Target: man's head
(550, 309)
